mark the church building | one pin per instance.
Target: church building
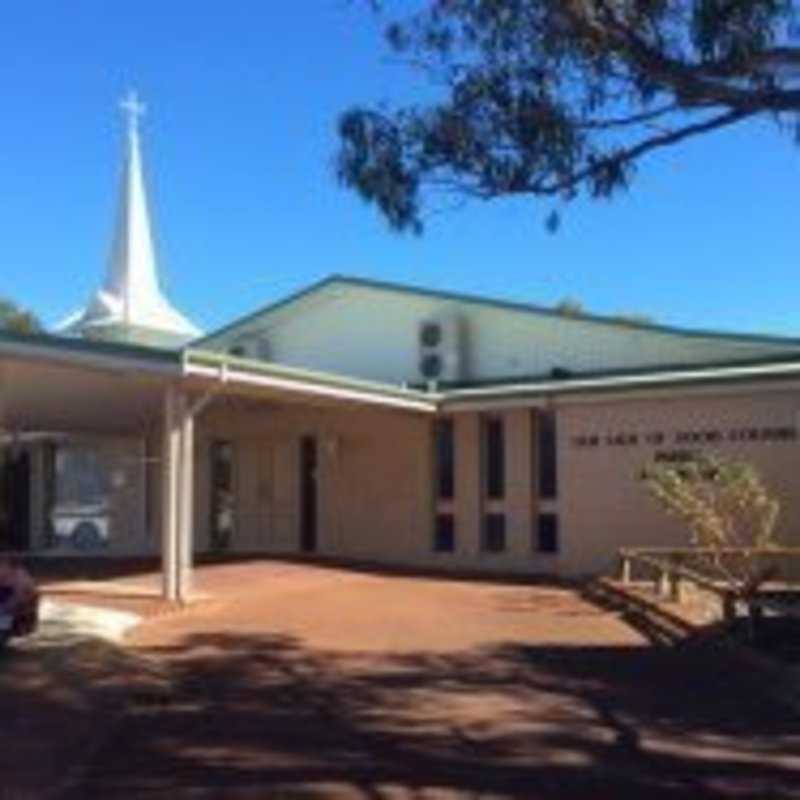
(368, 421)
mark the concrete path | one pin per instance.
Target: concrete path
(66, 621)
(307, 682)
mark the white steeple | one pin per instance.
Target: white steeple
(129, 306)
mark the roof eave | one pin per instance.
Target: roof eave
(228, 368)
(464, 398)
(84, 352)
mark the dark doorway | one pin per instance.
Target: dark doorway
(15, 532)
(308, 494)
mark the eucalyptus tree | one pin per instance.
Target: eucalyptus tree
(14, 318)
(561, 98)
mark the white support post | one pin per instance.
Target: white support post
(169, 497)
(186, 502)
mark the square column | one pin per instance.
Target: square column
(170, 459)
(186, 501)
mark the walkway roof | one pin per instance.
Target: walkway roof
(54, 382)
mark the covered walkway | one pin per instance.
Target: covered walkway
(52, 388)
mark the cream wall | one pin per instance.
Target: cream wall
(333, 330)
(603, 506)
(374, 479)
(375, 484)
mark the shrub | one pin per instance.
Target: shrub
(728, 511)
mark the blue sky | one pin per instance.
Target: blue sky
(239, 142)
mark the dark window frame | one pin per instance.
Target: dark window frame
(444, 534)
(548, 534)
(444, 458)
(547, 454)
(494, 457)
(494, 540)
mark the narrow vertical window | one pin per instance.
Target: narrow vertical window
(223, 510)
(547, 534)
(495, 458)
(494, 533)
(547, 450)
(308, 493)
(445, 534)
(445, 459)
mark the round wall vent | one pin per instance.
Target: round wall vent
(431, 366)
(430, 334)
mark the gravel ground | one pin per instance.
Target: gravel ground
(300, 681)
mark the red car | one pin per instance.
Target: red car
(19, 600)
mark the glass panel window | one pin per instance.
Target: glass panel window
(445, 459)
(547, 454)
(445, 534)
(223, 507)
(494, 533)
(82, 479)
(494, 458)
(80, 498)
(547, 534)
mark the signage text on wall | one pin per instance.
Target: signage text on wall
(712, 436)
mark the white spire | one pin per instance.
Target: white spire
(130, 305)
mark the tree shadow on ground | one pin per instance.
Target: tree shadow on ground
(59, 692)
(265, 716)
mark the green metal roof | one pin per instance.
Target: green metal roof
(505, 305)
(564, 377)
(71, 344)
(525, 387)
(509, 388)
(771, 370)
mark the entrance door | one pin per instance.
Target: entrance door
(308, 494)
(17, 500)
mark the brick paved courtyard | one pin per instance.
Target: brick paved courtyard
(303, 681)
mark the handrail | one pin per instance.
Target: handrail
(696, 577)
(691, 551)
(668, 561)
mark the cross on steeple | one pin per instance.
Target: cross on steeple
(133, 109)
(130, 306)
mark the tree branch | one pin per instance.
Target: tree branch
(633, 119)
(689, 82)
(653, 143)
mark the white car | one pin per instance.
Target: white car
(86, 528)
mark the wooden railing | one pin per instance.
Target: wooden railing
(674, 569)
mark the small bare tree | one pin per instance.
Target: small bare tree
(730, 514)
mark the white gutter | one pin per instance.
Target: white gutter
(309, 388)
